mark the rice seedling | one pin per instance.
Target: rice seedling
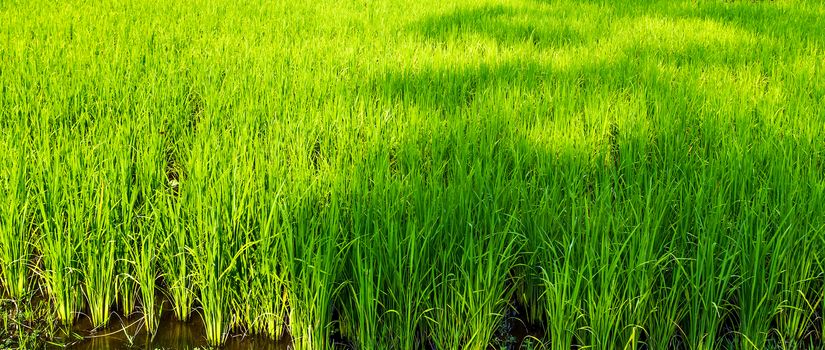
(711, 267)
(144, 251)
(563, 283)
(174, 256)
(800, 274)
(267, 284)
(478, 297)
(15, 225)
(405, 259)
(261, 273)
(365, 287)
(97, 258)
(605, 302)
(663, 329)
(124, 216)
(221, 208)
(60, 223)
(125, 285)
(312, 272)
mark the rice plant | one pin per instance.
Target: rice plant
(61, 222)
(16, 235)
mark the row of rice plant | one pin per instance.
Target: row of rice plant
(427, 254)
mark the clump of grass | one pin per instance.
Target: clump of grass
(362, 305)
(218, 193)
(15, 225)
(261, 302)
(97, 258)
(266, 279)
(472, 301)
(406, 267)
(174, 256)
(61, 223)
(314, 250)
(711, 267)
(145, 250)
(563, 282)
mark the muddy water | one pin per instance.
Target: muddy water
(172, 335)
(127, 333)
(175, 335)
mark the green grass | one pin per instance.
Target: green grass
(400, 175)
(15, 243)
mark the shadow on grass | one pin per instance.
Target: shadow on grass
(568, 49)
(797, 23)
(509, 25)
(633, 92)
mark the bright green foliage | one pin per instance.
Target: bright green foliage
(15, 230)
(405, 174)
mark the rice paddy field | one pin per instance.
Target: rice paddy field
(415, 174)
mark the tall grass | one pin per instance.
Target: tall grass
(313, 273)
(218, 191)
(174, 257)
(15, 222)
(265, 275)
(404, 175)
(60, 223)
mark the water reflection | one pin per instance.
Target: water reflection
(172, 334)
